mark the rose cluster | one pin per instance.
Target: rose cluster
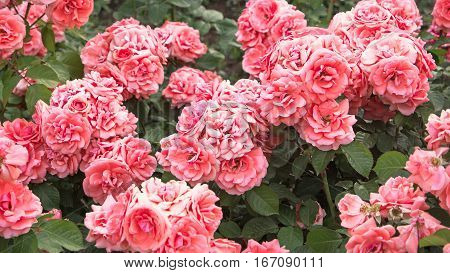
(396, 218)
(162, 217)
(220, 135)
(20, 28)
(317, 79)
(134, 54)
(441, 20)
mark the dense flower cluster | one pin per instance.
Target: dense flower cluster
(18, 21)
(441, 21)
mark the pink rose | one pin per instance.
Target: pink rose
(185, 41)
(398, 194)
(224, 246)
(441, 15)
(290, 21)
(406, 14)
(444, 194)
(265, 247)
(36, 168)
(13, 32)
(188, 159)
(446, 248)
(19, 209)
(171, 197)
(21, 131)
(64, 131)
(104, 177)
(53, 214)
(145, 227)
(263, 14)
(368, 238)
(13, 159)
(97, 149)
(34, 46)
(374, 109)
(321, 213)
(238, 175)
(354, 211)
(438, 128)
(202, 208)
(327, 125)
(326, 75)
(246, 34)
(105, 225)
(62, 165)
(252, 60)
(70, 13)
(370, 14)
(187, 236)
(283, 100)
(427, 170)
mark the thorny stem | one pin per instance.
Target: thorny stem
(326, 189)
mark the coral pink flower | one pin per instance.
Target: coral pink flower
(19, 209)
(321, 213)
(70, 13)
(97, 149)
(62, 165)
(263, 14)
(191, 121)
(427, 170)
(252, 60)
(328, 125)
(224, 246)
(265, 247)
(354, 211)
(171, 197)
(446, 248)
(405, 12)
(105, 225)
(444, 195)
(13, 159)
(34, 46)
(187, 236)
(145, 227)
(21, 131)
(369, 13)
(187, 85)
(246, 34)
(64, 131)
(368, 238)
(188, 159)
(283, 100)
(289, 21)
(238, 175)
(202, 207)
(374, 109)
(438, 128)
(36, 168)
(12, 32)
(398, 194)
(441, 15)
(104, 177)
(325, 74)
(185, 43)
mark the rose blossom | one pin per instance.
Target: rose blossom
(185, 41)
(321, 213)
(70, 13)
(446, 248)
(13, 158)
(405, 13)
(265, 247)
(12, 32)
(19, 209)
(441, 15)
(35, 46)
(22, 132)
(252, 60)
(368, 238)
(145, 227)
(427, 170)
(106, 176)
(62, 165)
(263, 14)
(65, 132)
(238, 175)
(374, 109)
(369, 13)
(438, 128)
(246, 34)
(202, 208)
(224, 246)
(328, 125)
(289, 21)
(188, 159)
(444, 194)
(354, 211)
(187, 236)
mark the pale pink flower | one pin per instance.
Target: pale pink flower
(441, 12)
(444, 194)
(327, 125)
(446, 248)
(188, 159)
(371, 14)
(238, 175)
(289, 21)
(106, 177)
(368, 238)
(427, 170)
(265, 247)
(438, 128)
(19, 209)
(70, 13)
(224, 246)
(263, 14)
(354, 211)
(13, 159)
(247, 34)
(252, 60)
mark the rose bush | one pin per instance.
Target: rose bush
(261, 126)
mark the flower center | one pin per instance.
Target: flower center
(435, 161)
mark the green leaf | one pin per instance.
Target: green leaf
(323, 240)
(439, 238)
(43, 74)
(211, 60)
(290, 237)
(48, 38)
(256, 228)
(283, 192)
(359, 157)
(287, 216)
(3, 245)
(211, 15)
(299, 166)
(361, 191)
(308, 212)
(26, 243)
(73, 63)
(228, 200)
(48, 194)
(230, 229)
(10, 80)
(263, 200)
(157, 13)
(34, 94)
(179, 3)
(320, 159)
(390, 164)
(26, 61)
(59, 233)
